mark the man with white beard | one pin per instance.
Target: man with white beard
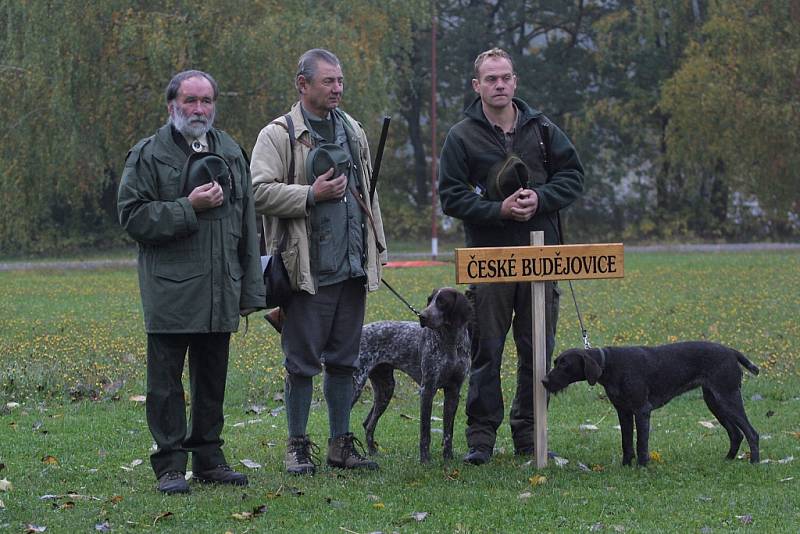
(185, 197)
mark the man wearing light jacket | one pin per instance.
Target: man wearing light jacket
(329, 234)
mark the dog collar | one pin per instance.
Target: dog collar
(602, 358)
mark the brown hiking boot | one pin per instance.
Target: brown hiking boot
(301, 456)
(342, 453)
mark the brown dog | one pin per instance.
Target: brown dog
(638, 380)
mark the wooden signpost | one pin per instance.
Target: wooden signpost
(539, 263)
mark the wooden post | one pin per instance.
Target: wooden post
(539, 342)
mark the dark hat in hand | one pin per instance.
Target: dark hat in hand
(202, 168)
(506, 177)
(325, 156)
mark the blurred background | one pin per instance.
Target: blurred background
(686, 113)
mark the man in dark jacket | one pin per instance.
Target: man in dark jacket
(185, 197)
(505, 170)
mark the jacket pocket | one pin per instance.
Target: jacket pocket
(179, 272)
(235, 269)
(326, 248)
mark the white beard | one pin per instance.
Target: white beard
(191, 126)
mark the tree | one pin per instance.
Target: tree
(735, 108)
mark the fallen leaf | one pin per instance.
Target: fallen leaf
(130, 467)
(69, 505)
(707, 424)
(379, 506)
(419, 516)
(138, 398)
(453, 475)
(5, 485)
(746, 519)
(537, 480)
(116, 499)
(50, 460)
(103, 527)
(597, 468)
(250, 464)
(656, 457)
(795, 434)
(242, 516)
(162, 515)
(30, 528)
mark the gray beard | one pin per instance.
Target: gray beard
(192, 130)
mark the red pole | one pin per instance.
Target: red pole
(434, 195)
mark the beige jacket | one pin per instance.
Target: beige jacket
(284, 207)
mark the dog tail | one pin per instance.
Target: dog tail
(747, 364)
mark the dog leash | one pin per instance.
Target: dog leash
(584, 332)
(410, 307)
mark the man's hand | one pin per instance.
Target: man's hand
(326, 188)
(520, 206)
(206, 196)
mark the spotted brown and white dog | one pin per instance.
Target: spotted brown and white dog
(434, 352)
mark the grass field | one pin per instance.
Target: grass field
(74, 444)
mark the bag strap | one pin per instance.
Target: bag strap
(289, 127)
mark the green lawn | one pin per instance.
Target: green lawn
(72, 358)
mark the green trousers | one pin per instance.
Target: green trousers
(166, 407)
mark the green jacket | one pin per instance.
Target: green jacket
(472, 148)
(285, 206)
(195, 275)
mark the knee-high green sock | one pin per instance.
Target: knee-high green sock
(338, 391)
(297, 398)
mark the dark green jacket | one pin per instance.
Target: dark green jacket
(195, 275)
(472, 148)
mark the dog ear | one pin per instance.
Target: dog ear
(591, 369)
(462, 310)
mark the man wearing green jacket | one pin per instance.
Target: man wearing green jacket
(185, 197)
(505, 170)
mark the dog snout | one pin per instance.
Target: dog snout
(423, 320)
